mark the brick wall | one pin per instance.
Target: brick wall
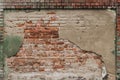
(60, 4)
(43, 30)
(118, 40)
(43, 51)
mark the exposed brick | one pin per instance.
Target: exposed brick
(49, 48)
(42, 47)
(118, 58)
(58, 3)
(118, 43)
(43, 51)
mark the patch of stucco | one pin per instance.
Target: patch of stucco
(92, 30)
(95, 31)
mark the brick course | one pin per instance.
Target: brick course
(59, 3)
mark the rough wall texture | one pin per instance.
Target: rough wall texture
(118, 40)
(92, 31)
(88, 29)
(19, 4)
(13, 4)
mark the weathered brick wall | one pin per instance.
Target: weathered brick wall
(43, 51)
(64, 4)
(118, 40)
(90, 30)
(78, 28)
(58, 3)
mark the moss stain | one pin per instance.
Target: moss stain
(11, 45)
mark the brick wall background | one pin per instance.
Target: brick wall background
(58, 3)
(64, 4)
(86, 28)
(80, 27)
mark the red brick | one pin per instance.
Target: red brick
(118, 57)
(118, 43)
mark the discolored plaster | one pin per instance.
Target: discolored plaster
(91, 30)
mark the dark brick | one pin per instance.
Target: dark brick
(118, 58)
(59, 3)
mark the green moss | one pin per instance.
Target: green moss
(11, 45)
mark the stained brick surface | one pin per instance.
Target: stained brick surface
(44, 52)
(60, 4)
(38, 45)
